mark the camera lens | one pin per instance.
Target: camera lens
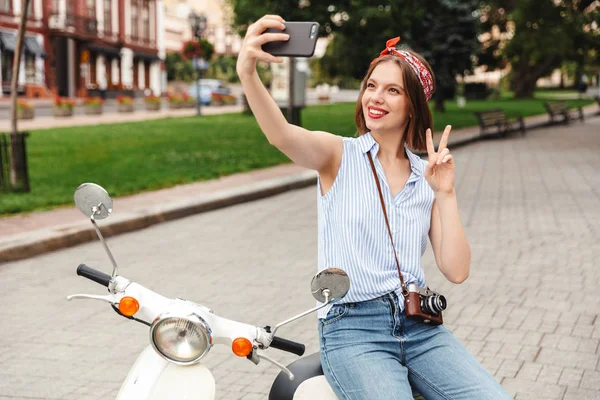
(436, 303)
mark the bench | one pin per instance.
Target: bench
(496, 120)
(558, 109)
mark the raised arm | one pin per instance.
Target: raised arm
(316, 150)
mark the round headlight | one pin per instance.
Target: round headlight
(181, 339)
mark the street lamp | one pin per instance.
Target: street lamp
(198, 25)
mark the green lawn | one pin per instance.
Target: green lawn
(132, 157)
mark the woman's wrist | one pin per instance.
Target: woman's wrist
(445, 195)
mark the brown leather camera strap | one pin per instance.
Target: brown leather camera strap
(387, 222)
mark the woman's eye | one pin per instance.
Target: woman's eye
(370, 85)
(394, 90)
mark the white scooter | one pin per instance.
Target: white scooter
(182, 332)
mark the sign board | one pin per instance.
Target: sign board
(85, 56)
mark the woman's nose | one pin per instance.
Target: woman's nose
(377, 96)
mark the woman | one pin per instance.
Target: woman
(369, 349)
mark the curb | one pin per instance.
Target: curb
(35, 243)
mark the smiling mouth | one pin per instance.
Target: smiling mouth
(376, 113)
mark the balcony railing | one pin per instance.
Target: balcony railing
(75, 23)
(144, 41)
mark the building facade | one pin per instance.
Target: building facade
(31, 80)
(218, 30)
(89, 47)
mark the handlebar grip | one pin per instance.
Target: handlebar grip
(94, 275)
(288, 345)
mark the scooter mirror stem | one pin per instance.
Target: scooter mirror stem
(326, 293)
(95, 210)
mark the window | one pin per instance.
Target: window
(93, 79)
(7, 62)
(107, 16)
(30, 68)
(134, 19)
(6, 6)
(55, 6)
(90, 6)
(146, 20)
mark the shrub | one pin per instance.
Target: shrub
(24, 105)
(128, 100)
(93, 101)
(153, 99)
(64, 103)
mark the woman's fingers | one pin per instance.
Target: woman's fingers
(429, 142)
(444, 140)
(442, 154)
(447, 159)
(272, 37)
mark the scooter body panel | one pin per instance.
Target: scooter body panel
(315, 388)
(154, 378)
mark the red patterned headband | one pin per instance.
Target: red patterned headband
(422, 72)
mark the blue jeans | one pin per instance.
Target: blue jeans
(371, 351)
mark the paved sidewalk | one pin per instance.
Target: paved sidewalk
(529, 310)
(35, 233)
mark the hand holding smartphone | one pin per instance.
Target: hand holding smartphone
(302, 42)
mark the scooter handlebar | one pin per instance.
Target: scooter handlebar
(288, 345)
(93, 274)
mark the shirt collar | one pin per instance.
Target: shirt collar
(366, 142)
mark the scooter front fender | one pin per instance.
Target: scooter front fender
(154, 378)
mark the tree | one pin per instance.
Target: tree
(545, 35)
(446, 35)
(361, 28)
(16, 169)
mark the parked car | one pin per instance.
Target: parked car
(212, 91)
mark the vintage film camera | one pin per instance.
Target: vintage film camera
(425, 305)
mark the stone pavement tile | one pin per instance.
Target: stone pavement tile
(528, 389)
(583, 331)
(479, 333)
(590, 380)
(492, 364)
(509, 351)
(474, 346)
(532, 338)
(462, 332)
(509, 368)
(574, 393)
(568, 359)
(529, 371)
(571, 377)
(528, 353)
(506, 336)
(588, 346)
(549, 373)
(490, 349)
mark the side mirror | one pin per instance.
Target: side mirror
(93, 201)
(330, 285)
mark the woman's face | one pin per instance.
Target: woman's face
(384, 102)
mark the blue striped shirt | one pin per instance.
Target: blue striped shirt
(351, 226)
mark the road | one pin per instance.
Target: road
(529, 310)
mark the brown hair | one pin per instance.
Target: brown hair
(421, 120)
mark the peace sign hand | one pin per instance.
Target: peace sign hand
(440, 168)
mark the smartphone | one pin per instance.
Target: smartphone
(302, 42)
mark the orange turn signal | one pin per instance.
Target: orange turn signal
(128, 306)
(241, 347)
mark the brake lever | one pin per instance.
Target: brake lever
(255, 357)
(109, 299)
(280, 366)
